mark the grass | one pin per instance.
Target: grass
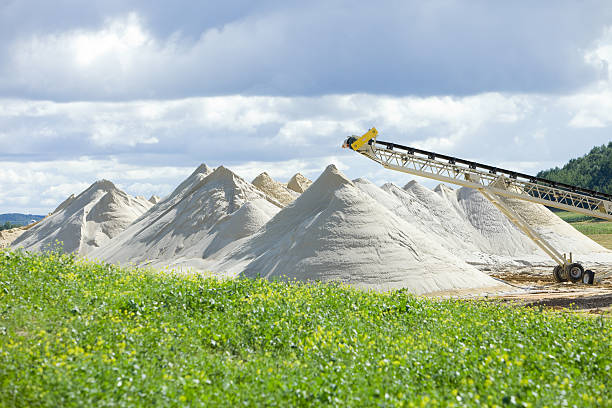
(594, 228)
(74, 333)
(604, 240)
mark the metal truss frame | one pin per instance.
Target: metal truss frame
(447, 170)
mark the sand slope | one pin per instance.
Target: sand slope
(85, 222)
(335, 232)
(64, 203)
(206, 213)
(559, 233)
(10, 235)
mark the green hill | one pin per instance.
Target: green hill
(592, 171)
(79, 334)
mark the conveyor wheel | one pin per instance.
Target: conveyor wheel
(588, 277)
(557, 274)
(575, 272)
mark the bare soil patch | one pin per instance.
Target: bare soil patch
(540, 290)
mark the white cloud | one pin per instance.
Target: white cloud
(109, 133)
(591, 107)
(297, 48)
(297, 127)
(38, 187)
(284, 170)
(120, 37)
(52, 149)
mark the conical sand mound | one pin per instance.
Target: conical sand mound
(85, 222)
(298, 183)
(274, 189)
(206, 213)
(335, 232)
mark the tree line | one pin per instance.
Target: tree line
(592, 171)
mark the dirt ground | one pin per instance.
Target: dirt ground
(540, 290)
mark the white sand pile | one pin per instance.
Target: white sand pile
(154, 199)
(298, 183)
(10, 235)
(557, 232)
(335, 232)
(507, 240)
(85, 222)
(208, 212)
(432, 215)
(274, 189)
(500, 232)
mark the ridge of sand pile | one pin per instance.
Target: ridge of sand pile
(335, 232)
(64, 203)
(85, 222)
(10, 235)
(209, 211)
(298, 183)
(274, 189)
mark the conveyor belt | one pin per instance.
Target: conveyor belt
(496, 170)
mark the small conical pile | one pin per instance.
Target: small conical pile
(298, 183)
(81, 224)
(274, 189)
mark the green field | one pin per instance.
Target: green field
(74, 333)
(597, 229)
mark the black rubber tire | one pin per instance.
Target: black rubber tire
(557, 274)
(575, 272)
(589, 277)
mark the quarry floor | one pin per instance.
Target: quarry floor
(540, 290)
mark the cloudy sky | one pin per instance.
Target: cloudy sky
(141, 92)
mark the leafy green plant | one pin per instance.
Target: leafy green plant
(80, 333)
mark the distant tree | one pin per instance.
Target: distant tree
(592, 171)
(8, 225)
